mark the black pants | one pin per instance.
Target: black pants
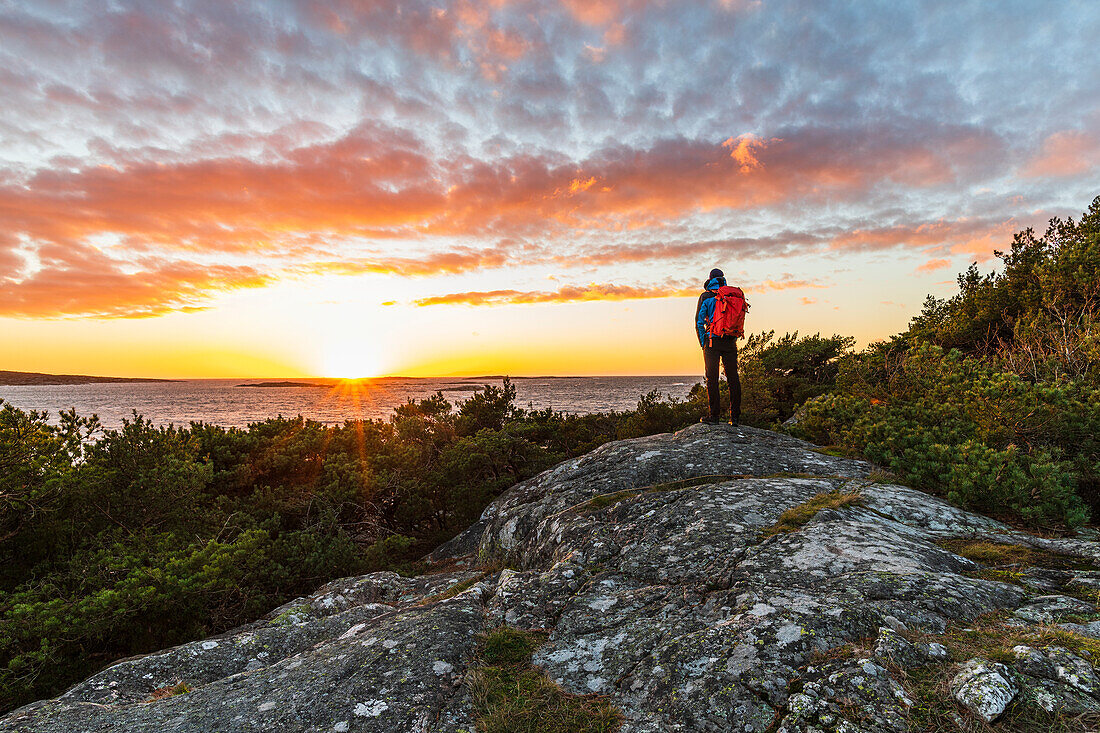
(727, 354)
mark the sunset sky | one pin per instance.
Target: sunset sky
(202, 188)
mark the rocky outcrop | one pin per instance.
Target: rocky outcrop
(652, 565)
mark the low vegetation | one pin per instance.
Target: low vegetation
(454, 590)
(1007, 563)
(991, 397)
(512, 696)
(180, 688)
(1001, 555)
(934, 708)
(801, 515)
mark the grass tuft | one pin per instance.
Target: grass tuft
(835, 451)
(878, 476)
(512, 696)
(455, 589)
(603, 501)
(180, 688)
(1001, 554)
(506, 645)
(799, 516)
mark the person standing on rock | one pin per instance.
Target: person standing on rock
(719, 322)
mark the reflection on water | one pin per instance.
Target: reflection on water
(226, 402)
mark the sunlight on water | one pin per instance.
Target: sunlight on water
(237, 402)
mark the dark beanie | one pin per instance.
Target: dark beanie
(715, 273)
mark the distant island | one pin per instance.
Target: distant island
(15, 379)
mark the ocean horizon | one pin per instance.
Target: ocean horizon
(241, 401)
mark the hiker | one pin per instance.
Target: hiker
(719, 321)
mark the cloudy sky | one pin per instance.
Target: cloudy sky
(341, 187)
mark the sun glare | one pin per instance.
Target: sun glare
(351, 361)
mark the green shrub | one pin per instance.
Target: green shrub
(984, 438)
(1039, 316)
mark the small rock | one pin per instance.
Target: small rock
(895, 623)
(800, 705)
(934, 651)
(1045, 609)
(1059, 665)
(985, 688)
(1091, 629)
(892, 647)
(371, 709)
(1087, 578)
(1044, 580)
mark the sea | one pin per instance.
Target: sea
(238, 402)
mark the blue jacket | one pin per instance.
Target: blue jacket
(705, 310)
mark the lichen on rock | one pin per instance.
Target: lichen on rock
(985, 688)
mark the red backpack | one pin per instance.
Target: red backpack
(729, 313)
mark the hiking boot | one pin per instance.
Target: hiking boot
(709, 420)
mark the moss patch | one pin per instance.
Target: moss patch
(512, 696)
(988, 636)
(603, 501)
(999, 554)
(1006, 563)
(180, 688)
(810, 476)
(506, 645)
(455, 589)
(1001, 576)
(1086, 593)
(832, 450)
(291, 615)
(596, 503)
(799, 516)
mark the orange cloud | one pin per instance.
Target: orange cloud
(377, 181)
(615, 34)
(1065, 153)
(87, 284)
(577, 185)
(567, 294)
(743, 150)
(595, 291)
(595, 54)
(596, 12)
(933, 265)
(434, 263)
(975, 237)
(296, 206)
(786, 283)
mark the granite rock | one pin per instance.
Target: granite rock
(650, 565)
